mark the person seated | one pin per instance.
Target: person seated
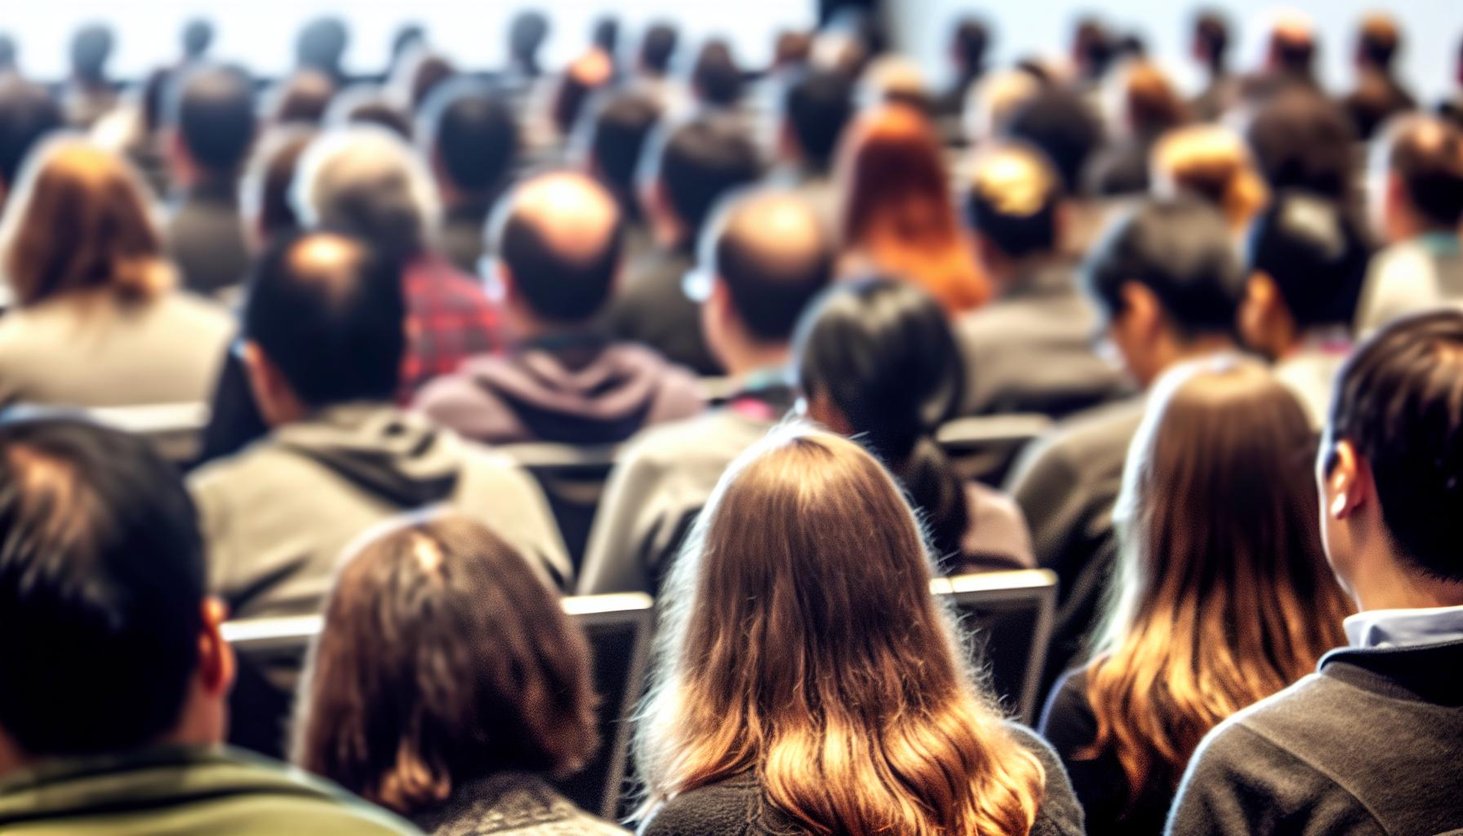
(481, 688)
(1210, 47)
(876, 361)
(90, 93)
(1303, 141)
(27, 115)
(653, 60)
(897, 214)
(97, 320)
(1029, 350)
(1379, 95)
(1368, 743)
(1306, 262)
(1216, 523)
(816, 108)
(1167, 282)
(470, 139)
(324, 333)
(1144, 106)
(368, 182)
(717, 84)
(685, 173)
(993, 101)
(1418, 208)
(558, 238)
(1213, 163)
(1290, 60)
(767, 257)
(213, 126)
(117, 677)
(842, 705)
(616, 138)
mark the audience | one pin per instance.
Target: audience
(816, 108)
(324, 334)
(840, 705)
(481, 686)
(1368, 742)
(1303, 141)
(1212, 163)
(1306, 262)
(768, 257)
(1210, 47)
(898, 216)
(118, 675)
(1145, 106)
(1168, 284)
(558, 238)
(684, 174)
(470, 138)
(366, 181)
(1379, 95)
(1030, 349)
(716, 80)
(97, 320)
(213, 127)
(1417, 207)
(1221, 594)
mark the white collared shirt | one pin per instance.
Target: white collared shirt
(1404, 628)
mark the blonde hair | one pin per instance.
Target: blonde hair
(79, 220)
(801, 644)
(1213, 163)
(1222, 595)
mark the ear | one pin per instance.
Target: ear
(1142, 309)
(506, 283)
(216, 663)
(271, 392)
(1348, 484)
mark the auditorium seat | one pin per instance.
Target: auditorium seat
(1007, 619)
(573, 480)
(984, 448)
(176, 429)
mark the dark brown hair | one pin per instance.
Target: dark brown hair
(443, 658)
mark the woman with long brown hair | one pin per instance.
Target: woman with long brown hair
(808, 681)
(1222, 595)
(898, 215)
(446, 681)
(97, 320)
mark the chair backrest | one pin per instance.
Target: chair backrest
(619, 628)
(1008, 616)
(573, 480)
(175, 429)
(984, 448)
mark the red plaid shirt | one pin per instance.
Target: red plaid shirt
(449, 319)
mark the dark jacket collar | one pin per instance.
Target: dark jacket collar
(1428, 673)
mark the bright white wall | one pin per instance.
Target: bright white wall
(1432, 29)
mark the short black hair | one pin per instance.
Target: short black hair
(215, 116)
(557, 288)
(101, 588)
(715, 76)
(1303, 140)
(471, 129)
(197, 37)
(818, 106)
(1426, 155)
(1181, 250)
(336, 336)
(1378, 41)
(27, 113)
(1315, 255)
(605, 34)
(1018, 227)
(617, 136)
(1399, 401)
(698, 163)
(971, 41)
(1062, 125)
(658, 47)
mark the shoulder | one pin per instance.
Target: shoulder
(1089, 445)
(1059, 813)
(264, 797)
(183, 307)
(727, 808)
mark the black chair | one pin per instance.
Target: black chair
(272, 652)
(984, 449)
(175, 429)
(573, 481)
(1007, 618)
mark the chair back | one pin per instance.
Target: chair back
(175, 429)
(1007, 618)
(573, 481)
(983, 449)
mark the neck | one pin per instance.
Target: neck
(749, 358)
(1192, 349)
(1392, 587)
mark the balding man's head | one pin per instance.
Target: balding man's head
(1424, 155)
(772, 255)
(1293, 44)
(558, 237)
(1012, 200)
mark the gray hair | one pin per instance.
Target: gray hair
(365, 180)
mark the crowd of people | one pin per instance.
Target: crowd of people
(766, 291)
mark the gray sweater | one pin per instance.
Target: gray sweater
(1369, 745)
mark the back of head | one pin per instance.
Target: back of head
(303, 98)
(196, 37)
(269, 178)
(27, 113)
(321, 45)
(560, 237)
(1150, 104)
(715, 77)
(1398, 404)
(91, 49)
(991, 102)
(366, 181)
(1179, 249)
(1315, 256)
(1211, 38)
(328, 312)
(1063, 127)
(1293, 45)
(526, 35)
(658, 47)
(102, 586)
(585, 75)
(482, 673)
(817, 107)
(605, 34)
(970, 43)
(1425, 154)
(421, 75)
(1012, 200)
(215, 117)
(1302, 140)
(1093, 47)
(471, 133)
(1378, 41)
(617, 139)
(79, 220)
(1212, 163)
(842, 692)
(1223, 595)
(699, 162)
(368, 104)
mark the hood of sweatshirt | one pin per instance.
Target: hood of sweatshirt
(396, 455)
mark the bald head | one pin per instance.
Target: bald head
(772, 254)
(559, 238)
